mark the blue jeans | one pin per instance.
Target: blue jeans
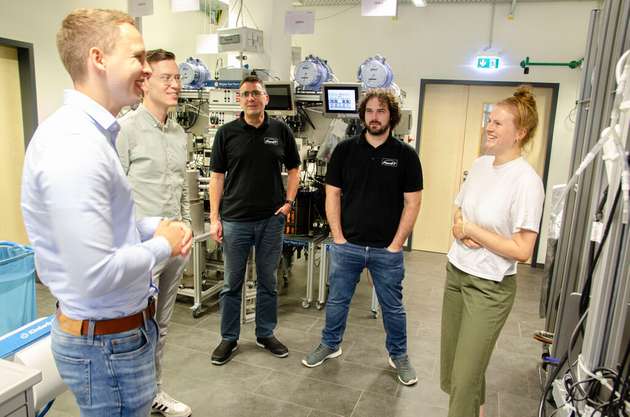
(347, 261)
(238, 238)
(109, 375)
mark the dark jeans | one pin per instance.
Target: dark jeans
(238, 238)
(347, 261)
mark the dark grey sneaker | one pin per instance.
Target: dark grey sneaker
(224, 351)
(319, 355)
(406, 373)
(273, 345)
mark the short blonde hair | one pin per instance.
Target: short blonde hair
(84, 29)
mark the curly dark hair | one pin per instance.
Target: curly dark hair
(384, 97)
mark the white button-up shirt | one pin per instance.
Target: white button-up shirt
(79, 215)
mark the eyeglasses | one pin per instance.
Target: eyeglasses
(167, 79)
(253, 93)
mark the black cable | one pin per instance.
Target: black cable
(541, 408)
(625, 393)
(617, 384)
(185, 121)
(612, 405)
(307, 117)
(592, 261)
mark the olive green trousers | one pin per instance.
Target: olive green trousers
(473, 313)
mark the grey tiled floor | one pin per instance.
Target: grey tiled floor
(357, 384)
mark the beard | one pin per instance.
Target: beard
(377, 130)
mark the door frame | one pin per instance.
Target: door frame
(555, 87)
(28, 92)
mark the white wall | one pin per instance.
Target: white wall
(438, 41)
(37, 22)
(441, 41)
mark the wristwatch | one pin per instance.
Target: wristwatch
(291, 203)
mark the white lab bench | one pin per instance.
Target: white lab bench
(16, 389)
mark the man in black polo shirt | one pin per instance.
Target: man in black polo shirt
(373, 193)
(246, 184)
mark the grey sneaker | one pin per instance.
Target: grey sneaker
(406, 373)
(319, 355)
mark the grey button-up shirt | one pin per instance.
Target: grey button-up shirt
(153, 156)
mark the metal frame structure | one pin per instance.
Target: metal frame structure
(608, 311)
(606, 332)
(569, 258)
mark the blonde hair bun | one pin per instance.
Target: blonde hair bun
(525, 94)
(523, 106)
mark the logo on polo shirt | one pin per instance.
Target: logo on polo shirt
(389, 162)
(271, 141)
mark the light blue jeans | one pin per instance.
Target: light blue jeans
(109, 375)
(238, 238)
(347, 261)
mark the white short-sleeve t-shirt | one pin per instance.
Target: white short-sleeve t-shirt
(503, 199)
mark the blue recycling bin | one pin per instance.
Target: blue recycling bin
(17, 286)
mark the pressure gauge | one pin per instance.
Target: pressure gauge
(193, 73)
(312, 73)
(374, 72)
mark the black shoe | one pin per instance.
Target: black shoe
(224, 351)
(273, 345)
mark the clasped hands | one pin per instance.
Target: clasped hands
(459, 232)
(178, 234)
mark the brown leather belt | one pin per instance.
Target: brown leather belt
(101, 327)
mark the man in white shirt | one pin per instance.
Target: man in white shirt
(152, 150)
(90, 250)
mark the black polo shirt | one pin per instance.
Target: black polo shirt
(373, 182)
(251, 159)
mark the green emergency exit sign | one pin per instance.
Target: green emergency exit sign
(488, 62)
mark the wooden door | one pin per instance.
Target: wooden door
(443, 127)
(11, 147)
(453, 121)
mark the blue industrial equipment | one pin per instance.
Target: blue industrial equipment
(311, 73)
(374, 72)
(194, 73)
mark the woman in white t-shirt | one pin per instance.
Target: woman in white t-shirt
(495, 226)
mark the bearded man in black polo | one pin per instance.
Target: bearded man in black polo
(373, 194)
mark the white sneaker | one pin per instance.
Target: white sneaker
(169, 407)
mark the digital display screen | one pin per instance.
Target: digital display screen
(341, 100)
(279, 97)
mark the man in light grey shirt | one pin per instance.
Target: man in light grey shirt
(152, 150)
